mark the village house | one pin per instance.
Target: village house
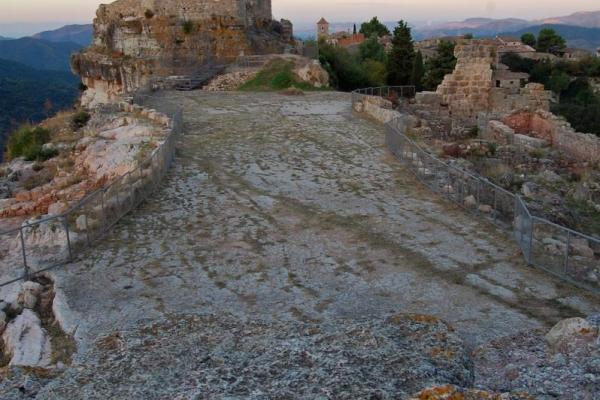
(428, 47)
(347, 40)
(512, 81)
(572, 54)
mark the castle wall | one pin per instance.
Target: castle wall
(135, 40)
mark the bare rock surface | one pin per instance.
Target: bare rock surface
(290, 208)
(229, 358)
(288, 211)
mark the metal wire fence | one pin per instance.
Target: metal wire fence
(568, 254)
(48, 242)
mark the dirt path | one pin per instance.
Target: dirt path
(290, 208)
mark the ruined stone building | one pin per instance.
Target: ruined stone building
(481, 85)
(135, 40)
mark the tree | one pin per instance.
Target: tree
(439, 66)
(354, 31)
(401, 58)
(345, 71)
(529, 39)
(558, 82)
(371, 49)
(418, 72)
(375, 71)
(374, 27)
(550, 42)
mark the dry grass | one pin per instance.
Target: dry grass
(44, 176)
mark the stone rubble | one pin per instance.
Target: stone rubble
(25, 340)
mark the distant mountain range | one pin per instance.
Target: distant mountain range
(4, 38)
(581, 30)
(40, 54)
(80, 34)
(24, 91)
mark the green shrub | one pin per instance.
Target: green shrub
(28, 142)
(81, 119)
(474, 131)
(188, 27)
(276, 75)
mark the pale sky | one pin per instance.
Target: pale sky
(20, 14)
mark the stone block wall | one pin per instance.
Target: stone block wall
(532, 97)
(470, 92)
(555, 131)
(377, 108)
(466, 91)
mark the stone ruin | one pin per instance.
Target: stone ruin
(480, 84)
(135, 40)
(539, 129)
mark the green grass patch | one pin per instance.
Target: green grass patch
(28, 142)
(277, 74)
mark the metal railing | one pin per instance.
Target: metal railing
(568, 254)
(388, 92)
(52, 241)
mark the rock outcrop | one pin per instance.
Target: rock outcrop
(135, 40)
(30, 335)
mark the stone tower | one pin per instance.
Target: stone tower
(322, 28)
(138, 40)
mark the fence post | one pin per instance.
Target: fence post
(103, 211)
(530, 258)
(25, 266)
(87, 229)
(66, 225)
(567, 253)
(495, 211)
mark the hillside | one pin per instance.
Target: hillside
(39, 54)
(80, 34)
(24, 92)
(576, 36)
(476, 26)
(587, 19)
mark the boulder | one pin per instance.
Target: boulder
(29, 294)
(57, 208)
(486, 209)
(554, 247)
(568, 329)
(26, 342)
(470, 201)
(581, 247)
(530, 142)
(529, 189)
(313, 74)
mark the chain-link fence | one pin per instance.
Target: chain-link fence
(47, 242)
(392, 93)
(570, 255)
